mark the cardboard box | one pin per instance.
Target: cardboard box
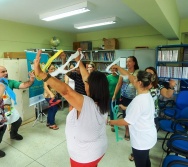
(15, 55)
(76, 45)
(111, 44)
(86, 45)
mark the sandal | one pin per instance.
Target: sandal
(127, 137)
(54, 127)
(131, 157)
(47, 124)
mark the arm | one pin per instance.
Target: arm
(118, 87)
(28, 83)
(83, 70)
(168, 93)
(48, 90)
(119, 122)
(66, 79)
(125, 72)
(74, 98)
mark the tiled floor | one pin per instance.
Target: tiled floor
(43, 147)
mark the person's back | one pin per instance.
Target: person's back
(77, 130)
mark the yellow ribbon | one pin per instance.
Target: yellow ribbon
(50, 60)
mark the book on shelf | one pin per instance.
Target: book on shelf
(169, 72)
(185, 73)
(168, 55)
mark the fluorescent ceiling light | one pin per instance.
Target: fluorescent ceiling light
(96, 23)
(67, 11)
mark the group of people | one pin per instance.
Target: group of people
(90, 98)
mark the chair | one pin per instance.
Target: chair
(175, 161)
(180, 103)
(178, 144)
(179, 126)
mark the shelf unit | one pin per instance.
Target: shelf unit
(101, 58)
(172, 62)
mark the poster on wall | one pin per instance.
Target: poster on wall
(36, 90)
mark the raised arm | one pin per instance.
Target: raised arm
(83, 70)
(74, 98)
(28, 83)
(124, 72)
(168, 93)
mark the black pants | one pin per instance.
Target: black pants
(2, 131)
(141, 158)
(14, 127)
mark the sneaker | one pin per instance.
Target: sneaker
(2, 154)
(17, 137)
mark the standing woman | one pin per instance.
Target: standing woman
(50, 96)
(91, 67)
(140, 119)
(128, 91)
(113, 80)
(86, 123)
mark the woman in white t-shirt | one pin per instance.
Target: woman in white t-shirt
(140, 119)
(86, 123)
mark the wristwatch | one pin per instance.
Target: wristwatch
(47, 77)
(171, 88)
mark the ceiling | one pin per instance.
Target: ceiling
(28, 11)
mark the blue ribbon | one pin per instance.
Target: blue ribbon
(8, 90)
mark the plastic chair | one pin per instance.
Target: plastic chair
(175, 161)
(180, 103)
(179, 126)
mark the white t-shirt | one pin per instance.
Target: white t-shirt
(71, 83)
(86, 136)
(140, 116)
(12, 115)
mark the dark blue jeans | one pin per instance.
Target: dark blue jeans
(51, 112)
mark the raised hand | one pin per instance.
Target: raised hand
(37, 68)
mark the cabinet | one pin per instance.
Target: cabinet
(172, 62)
(15, 68)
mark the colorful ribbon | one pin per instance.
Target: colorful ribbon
(8, 90)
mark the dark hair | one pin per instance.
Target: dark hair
(145, 77)
(50, 66)
(155, 82)
(72, 63)
(136, 67)
(99, 91)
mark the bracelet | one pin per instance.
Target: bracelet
(47, 77)
(171, 88)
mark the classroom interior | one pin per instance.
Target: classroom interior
(162, 23)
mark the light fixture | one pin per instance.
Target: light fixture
(96, 23)
(67, 11)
